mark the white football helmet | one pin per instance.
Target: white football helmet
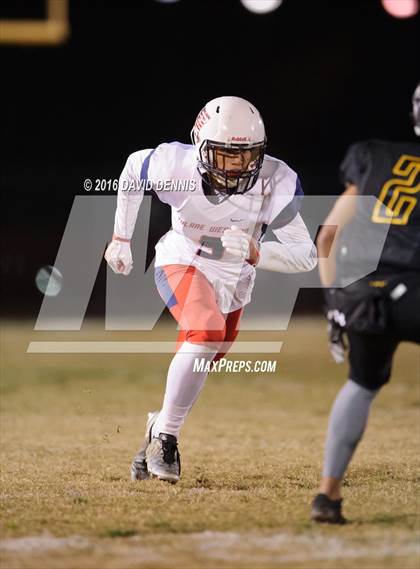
(229, 130)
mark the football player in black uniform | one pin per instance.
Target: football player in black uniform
(376, 312)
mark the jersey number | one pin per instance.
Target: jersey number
(397, 197)
(214, 244)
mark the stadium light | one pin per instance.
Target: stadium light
(401, 8)
(261, 6)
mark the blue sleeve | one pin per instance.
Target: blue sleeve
(144, 172)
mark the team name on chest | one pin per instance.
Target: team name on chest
(202, 226)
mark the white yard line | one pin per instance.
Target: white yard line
(43, 543)
(285, 547)
(250, 549)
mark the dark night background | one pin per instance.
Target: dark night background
(324, 73)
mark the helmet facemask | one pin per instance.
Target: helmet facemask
(230, 168)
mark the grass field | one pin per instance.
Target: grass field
(251, 456)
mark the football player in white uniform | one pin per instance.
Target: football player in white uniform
(205, 265)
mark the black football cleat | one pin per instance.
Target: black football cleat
(325, 510)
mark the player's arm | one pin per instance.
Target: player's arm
(340, 215)
(130, 195)
(293, 252)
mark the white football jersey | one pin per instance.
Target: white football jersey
(198, 221)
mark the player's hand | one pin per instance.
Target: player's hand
(118, 256)
(336, 335)
(238, 243)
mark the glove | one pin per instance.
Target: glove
(241, 245)
(118, 256)
(336, 327)
(336, 335)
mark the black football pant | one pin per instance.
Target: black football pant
(371, 355)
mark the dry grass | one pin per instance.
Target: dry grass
(251, 452)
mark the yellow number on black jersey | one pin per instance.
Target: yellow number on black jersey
(397, 198)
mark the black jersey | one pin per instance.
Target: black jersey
(389, 171)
